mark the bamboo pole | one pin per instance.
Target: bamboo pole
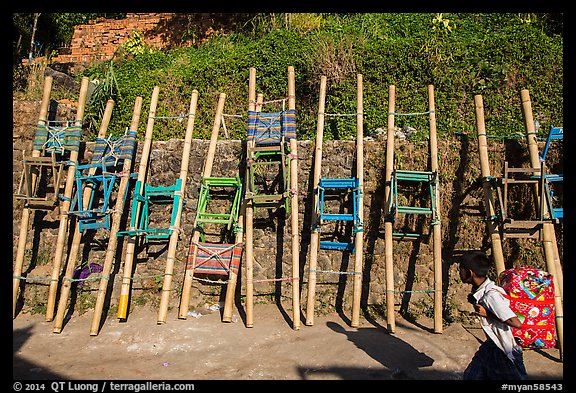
(436, 227)
(25, 219)
(77, 236)
(388, 223)
(142, 173)
(359, 236)
(250, 244)
(250, 216)
(169, 269)
(549, 244)
(233, 276)
(492, 226)
(294, 209)
(315, 235)
(249, 265)
(115, 227)
(207, 172)
(64, 207)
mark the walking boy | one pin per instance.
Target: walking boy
(499, 357)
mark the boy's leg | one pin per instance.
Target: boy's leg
(477, 369)
(501, 368)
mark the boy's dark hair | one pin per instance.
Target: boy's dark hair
(477, 261)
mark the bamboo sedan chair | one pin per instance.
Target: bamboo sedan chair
(116, 222)
(108, 173)
(547, 208)
(108, 159)
(145, 199)
(405, 182)
(271, 143)
(47, 182)
(91, 207)
(343, 189)
(218, 217)
(503, 223)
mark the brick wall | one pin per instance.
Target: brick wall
(100, 38)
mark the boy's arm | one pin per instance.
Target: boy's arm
(483, 312)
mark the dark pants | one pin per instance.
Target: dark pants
(491, 363)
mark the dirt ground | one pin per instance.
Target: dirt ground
(203, 348)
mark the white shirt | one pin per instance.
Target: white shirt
(490, 296)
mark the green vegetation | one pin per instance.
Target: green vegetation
(495, 55)
(42, 33)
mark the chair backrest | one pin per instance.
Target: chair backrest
(269, 128)
(57, 138)
(555, 133)
(114, 149)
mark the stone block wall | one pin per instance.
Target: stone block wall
(462, 219)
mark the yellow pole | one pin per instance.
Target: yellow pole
(131, 246)
(115, 227)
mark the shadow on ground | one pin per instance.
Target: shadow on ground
(23, 369)
(399, 359)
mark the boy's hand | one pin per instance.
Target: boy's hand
(480, 310)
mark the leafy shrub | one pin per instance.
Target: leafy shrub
(495, 55)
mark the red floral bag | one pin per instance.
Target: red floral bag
(531, 295)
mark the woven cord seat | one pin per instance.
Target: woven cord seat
(214, 258)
